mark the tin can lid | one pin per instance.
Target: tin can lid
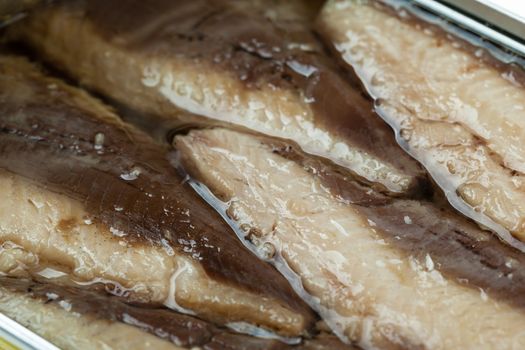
(14, 336)
(502, 22)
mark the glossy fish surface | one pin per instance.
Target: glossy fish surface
(97, 200)
(382, 272)
(228, 61)
(459, 111)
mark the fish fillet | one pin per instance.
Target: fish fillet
(76, 318)
(94, 199)
(70, 330)
(235, 62)
(382, 272)
(459, 111)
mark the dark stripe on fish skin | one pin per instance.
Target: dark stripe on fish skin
(47, 136)
(459, 249)
(261, 51)
(182, 330)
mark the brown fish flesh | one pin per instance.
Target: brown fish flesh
(77, 318)
(234, 62)
(382, 272)
(96, 200)
(50, 314)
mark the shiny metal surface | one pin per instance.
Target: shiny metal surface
(475, 15)
(14, 336)
(506, 15)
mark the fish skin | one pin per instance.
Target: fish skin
(382, 272)
(81, 215)
(52, 318)
(43, 307)
(228, 77)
